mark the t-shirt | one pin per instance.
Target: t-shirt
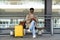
(29, 17)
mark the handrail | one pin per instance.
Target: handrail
(25, 16)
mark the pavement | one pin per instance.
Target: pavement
(29, 37)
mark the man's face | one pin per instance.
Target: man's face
(31, 11)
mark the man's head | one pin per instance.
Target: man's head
(31, 10)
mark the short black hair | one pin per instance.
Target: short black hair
(31, 8)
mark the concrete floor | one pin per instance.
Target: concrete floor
(29, 37)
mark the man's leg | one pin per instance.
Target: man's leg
(33, 31)
(32, 28)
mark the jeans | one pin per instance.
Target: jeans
(32, 27)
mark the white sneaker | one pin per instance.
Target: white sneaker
(28, 30)
(34, 36)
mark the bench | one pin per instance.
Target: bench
(39, 30)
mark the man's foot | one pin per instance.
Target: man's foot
(34, 36)
(28, 30)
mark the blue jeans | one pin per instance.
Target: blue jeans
(32, 27)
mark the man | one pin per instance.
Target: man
(31, 21)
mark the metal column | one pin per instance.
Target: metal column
(48, 13)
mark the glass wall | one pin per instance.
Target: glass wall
(56, 16)
(56, 13)
(20, 8)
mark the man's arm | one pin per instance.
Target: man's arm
(26, 18)
(35, 17)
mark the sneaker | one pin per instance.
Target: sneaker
(28, 30)
(34, 36)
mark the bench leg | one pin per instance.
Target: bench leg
(39, 32)
(42, 30)
(11, 33)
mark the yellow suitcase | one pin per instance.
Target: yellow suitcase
(19, 32)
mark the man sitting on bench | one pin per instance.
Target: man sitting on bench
(31, 21)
